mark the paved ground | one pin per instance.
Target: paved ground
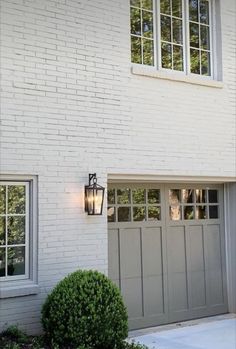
(212, 333)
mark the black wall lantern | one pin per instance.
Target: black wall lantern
(94, 196)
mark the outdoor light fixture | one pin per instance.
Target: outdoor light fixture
(94, 196)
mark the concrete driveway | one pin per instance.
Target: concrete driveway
(216, 333)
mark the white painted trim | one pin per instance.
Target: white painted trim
(173, 76)
(126, 178)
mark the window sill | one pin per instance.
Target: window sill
(153, 73)
(19, 289)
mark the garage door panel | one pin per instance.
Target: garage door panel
(198, 288)
(130, 253)
(196, 248)
(213, 246)
(216, 287)
(176, 249)
(153, 295)
(178, 292)
(152, 251)
(132, 293)
(113, 254)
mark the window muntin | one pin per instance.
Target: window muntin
(14, 230)
(167, 27)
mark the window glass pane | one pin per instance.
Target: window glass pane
(165, 28)
(174, 196)
(194, 35)
(16, 230)
(139, 196)
(193, 10)
(111, 196)
(201, 212)
(187, 195)
(213, 196)
(195, 61)
(154, 196)
(213, 212)
(188, 212)
(154, 213)
(205, 38)
(136, 50)
(204, 12)
(200, 195)
(2, 230)
(147, 4)
(16, 199)
(111, 214)
(165, 7)
(147, 24)
(205, 63)
(148, 52)
(16, 261)
(178, 58)
(135, 19)
(2, 199)
(123, 196)
(166, 56)
(139, 214)
(177, 8)
(124, 214)
(2, 261)
(136, 3)
(177, 31)
(175, 213)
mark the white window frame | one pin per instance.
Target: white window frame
(186, 45)
(27, 284)
(26, 244)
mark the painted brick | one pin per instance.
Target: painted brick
(70, 106)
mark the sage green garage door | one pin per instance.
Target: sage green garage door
(166, 251)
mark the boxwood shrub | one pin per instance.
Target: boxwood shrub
(85, 310)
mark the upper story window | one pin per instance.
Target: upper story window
(14, 230)
(172, 34)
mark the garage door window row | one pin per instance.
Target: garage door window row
(191, 204)
(134, 205)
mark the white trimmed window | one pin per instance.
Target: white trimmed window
(174, 35)
(14, 230)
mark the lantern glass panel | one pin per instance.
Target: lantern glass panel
(98, 200)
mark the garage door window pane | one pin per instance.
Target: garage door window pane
(154, 196)
(188, 212)
(139, 214)
(111, 196)
(213, 196)
(16, 199)
(139, 196)
(175, 213)
(187, 195)
(123, 196)
(201, 212)
(2, 230)
(154, 213)
(213, 212)
(174, 196)
(200, 196)
(124, 214)
(2, 199)
(111, 214)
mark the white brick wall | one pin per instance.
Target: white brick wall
(71, 106)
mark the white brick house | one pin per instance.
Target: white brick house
(73, 103)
